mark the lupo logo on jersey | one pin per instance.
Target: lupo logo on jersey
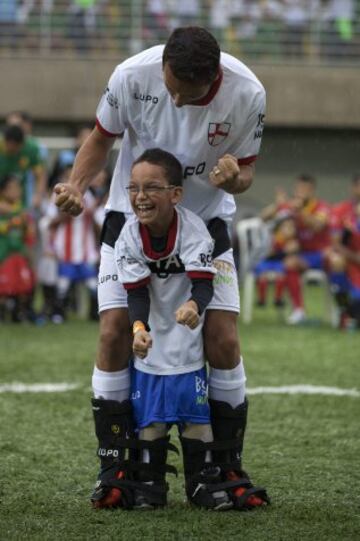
(146, 97)
(218, 132)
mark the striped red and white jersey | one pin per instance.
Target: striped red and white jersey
(74, 240)
(229, 120)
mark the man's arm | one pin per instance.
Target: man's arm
(230, 177)
(90, 159)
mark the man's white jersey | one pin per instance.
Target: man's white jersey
(229, 120)
(176, 349)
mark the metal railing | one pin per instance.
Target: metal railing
(268, 31)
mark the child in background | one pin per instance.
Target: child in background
(17, 239)
(75, 245)
(284, 243)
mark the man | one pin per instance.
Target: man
(208, 110)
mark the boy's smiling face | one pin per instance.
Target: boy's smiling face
(152, 197)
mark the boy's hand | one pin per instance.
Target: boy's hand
(188, 314)
(69, 199)
(142, 343)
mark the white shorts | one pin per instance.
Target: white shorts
(111, 293)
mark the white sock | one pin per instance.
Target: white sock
(228, 385)
(111, 385)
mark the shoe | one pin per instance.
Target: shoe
(257, 496)
(296, 317)
(201, 495)
(57, 319)
(279, 303)
(110, 499)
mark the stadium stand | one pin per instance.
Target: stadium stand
(309, 31)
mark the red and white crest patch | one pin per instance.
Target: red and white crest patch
(218, 132)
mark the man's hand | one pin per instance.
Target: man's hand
(142, 343)
(69, 199)
(188, 314)
(224, 175)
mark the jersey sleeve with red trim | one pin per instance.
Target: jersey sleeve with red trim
(133, 271)
(196, 246)
(248, 144)
(111, 111)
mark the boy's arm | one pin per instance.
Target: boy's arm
(201, 294)
(139, 305)
(139, 309)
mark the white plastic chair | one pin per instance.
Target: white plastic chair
(254, 238)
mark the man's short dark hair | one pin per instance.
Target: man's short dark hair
(193, 55)
(305, 177)
(170, 164)
(14, 134)
(356, 178)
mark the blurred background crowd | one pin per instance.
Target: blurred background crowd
(55, 58)
(265, 30)
(42, 250)
(45, 254)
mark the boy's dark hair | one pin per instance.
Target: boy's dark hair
(14, 134)
(170, 164)
(193, 55)
(356, 178)
(309, 179)
(6, 179)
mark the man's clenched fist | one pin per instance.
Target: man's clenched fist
(69, 199)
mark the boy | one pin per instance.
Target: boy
(164, 260)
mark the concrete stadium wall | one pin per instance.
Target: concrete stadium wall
(68, 91)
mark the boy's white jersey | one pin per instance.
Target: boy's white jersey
(176, 349)
(229, 120)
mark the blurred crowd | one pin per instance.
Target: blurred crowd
(260, 28)
(307, 233)
(46, 255)
(42, 250)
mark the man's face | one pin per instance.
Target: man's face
(304, 191)
(183, 92)
(152, 197)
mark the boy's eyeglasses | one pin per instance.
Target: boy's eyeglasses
(150, 190)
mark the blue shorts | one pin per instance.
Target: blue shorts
(77, 273)
(314, 260)
(269, 265)
(169, 399)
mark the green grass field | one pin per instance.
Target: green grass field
(304, 448)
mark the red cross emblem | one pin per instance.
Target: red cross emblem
(218, 132)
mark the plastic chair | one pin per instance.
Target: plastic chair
(254, 237)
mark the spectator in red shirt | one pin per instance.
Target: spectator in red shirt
(312, 222)
(344, 256)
